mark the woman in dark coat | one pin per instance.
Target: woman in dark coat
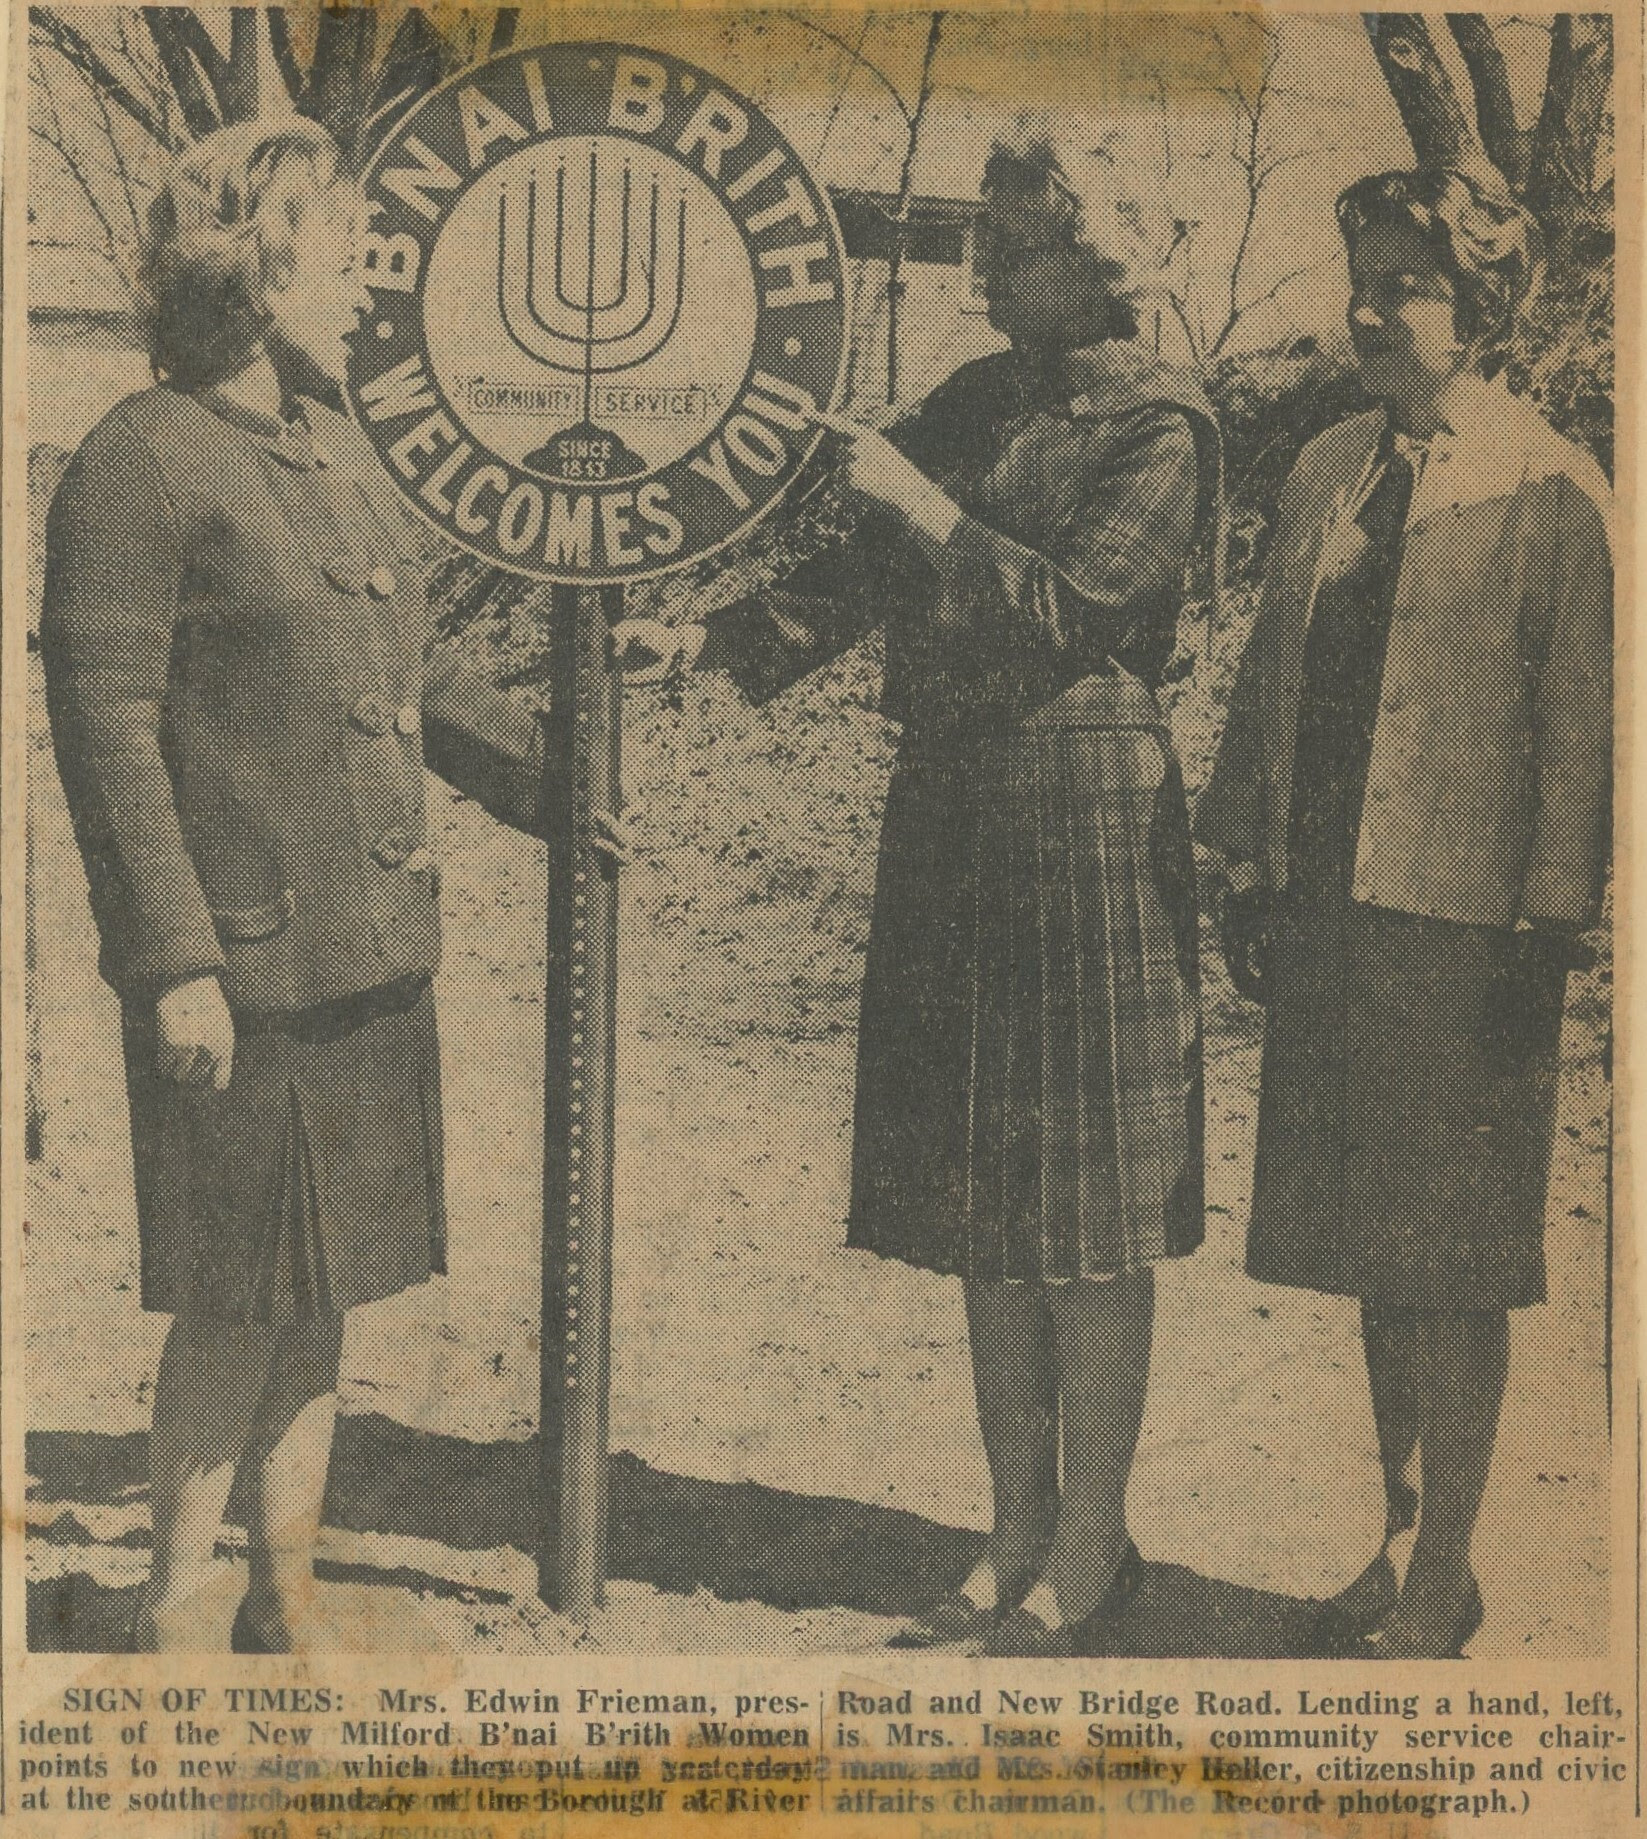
(1413, 797)
(1028, 1112)
(234, 636)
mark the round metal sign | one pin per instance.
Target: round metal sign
(606, 301)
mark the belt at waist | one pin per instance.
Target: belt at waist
(1105, 699)
(1113, 699)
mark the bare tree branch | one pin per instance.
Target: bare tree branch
(1181, 314)
(71, 45)
(212, 86)
(857, 57)
(913, 115)
(851, 57)
(1248, 154)
(51, 132)
(906, 189)
(1263, 299)
(128, 189)
(1251, 104)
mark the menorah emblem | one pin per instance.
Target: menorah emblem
(572, 327)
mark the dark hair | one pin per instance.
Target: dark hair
(1490, 247)
(219, 228)
(1028, 170)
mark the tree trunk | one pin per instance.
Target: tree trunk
(336, 87)
(1508, 146)
(212, 86)
(1573, 138)
(344, 88)
(1434, 117)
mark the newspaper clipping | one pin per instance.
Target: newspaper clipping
(809, 923)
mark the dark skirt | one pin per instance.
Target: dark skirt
(314, 1183)
(1406, 1110)
(1029, 1101)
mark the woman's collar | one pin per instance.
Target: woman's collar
(1466, 405)
(288, 439)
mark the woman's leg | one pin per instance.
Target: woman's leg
(212, 1375)
(1015, 1377)
(1463, 1358)
(289, 1454)
(1104, 1330)
(1390, 1335)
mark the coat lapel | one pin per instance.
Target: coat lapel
(1298, 568)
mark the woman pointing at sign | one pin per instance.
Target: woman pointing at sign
(1028, 1111)
(235, 636)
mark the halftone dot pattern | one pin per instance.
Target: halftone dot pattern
(759, 885)
(744, 929)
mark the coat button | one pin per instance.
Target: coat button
(408, 719)
(372, 714)
(392, 848)
(381, 583)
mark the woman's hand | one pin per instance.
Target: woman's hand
(1555, 942)
(1246, 932)
(877, 469)
(613, 839)
(195, 1035)
(647, 650)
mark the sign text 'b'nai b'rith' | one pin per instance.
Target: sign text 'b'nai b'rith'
(606, 300)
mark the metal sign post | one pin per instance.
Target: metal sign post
(580, 777)
(599, 335)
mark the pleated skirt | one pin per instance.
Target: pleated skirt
(1029, 1098)
(314, 1183)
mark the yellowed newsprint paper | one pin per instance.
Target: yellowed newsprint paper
(814, 848)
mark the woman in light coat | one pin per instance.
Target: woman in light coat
(1412, 798)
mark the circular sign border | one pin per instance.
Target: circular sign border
(615, 48)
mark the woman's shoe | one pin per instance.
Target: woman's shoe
(1360, 1606)
(1392, 1641)
(956, 1617)
(1025, 1635)
(1365, 1602)
(250, 1636)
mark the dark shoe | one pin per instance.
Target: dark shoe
(1360, 1606)
(1123, 1587)
(956, 1617)
(1389, 1642)
(248, 1637)
(1023, 1635)
(1363, 1604)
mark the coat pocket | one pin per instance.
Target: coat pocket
(247, 925)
